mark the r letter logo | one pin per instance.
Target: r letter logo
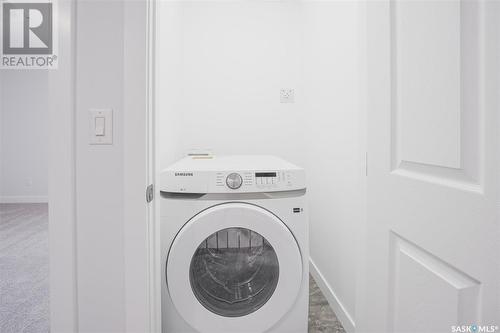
(27, 28)
(28, 35)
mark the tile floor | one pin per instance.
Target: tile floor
(322, 319)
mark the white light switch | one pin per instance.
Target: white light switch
(100, 123)
(101, 126)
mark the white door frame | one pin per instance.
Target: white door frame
(142, 277)
(142, 290)
(62, 196)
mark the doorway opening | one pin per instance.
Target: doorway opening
(24, 227)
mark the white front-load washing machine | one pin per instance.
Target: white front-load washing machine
(234, 242)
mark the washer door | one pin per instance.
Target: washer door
(234, 267)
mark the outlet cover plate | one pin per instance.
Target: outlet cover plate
(287, 95)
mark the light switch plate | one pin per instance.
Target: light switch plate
(94, 136)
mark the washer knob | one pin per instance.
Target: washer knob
(234, 181)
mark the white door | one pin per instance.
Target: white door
(432, 245)
(234, 267)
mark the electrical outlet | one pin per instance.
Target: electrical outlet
(287, 96)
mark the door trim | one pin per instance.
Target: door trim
(141, 248)
(61, 178)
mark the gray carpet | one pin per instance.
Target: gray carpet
(24, 275)
(24, 268)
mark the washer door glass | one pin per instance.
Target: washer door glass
(234, 272)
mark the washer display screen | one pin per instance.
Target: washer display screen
(234, 272)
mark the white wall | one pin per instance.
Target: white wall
(99, 169)
(221, 66)
(335, 153)
(24, 136)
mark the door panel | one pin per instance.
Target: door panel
(423, 286)
(426, 66)
(435, 50)
(432, 249)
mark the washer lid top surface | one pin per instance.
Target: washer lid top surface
(220, 163)
(231, 174)
(234, 267)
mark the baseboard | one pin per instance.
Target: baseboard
(341, 312)
(24, 199)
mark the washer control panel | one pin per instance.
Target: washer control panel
(248, 181)
(232, 174)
